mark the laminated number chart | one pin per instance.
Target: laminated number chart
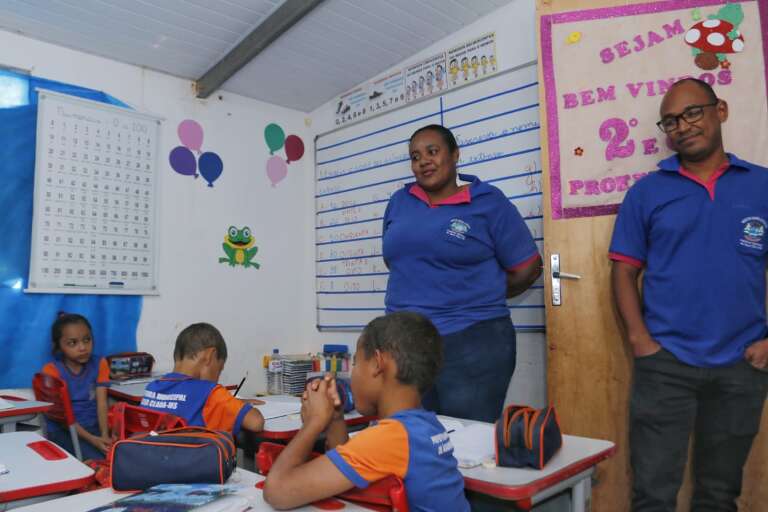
(93, 228)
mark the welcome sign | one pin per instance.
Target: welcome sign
(606, 70)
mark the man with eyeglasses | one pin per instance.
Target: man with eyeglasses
(698, 230)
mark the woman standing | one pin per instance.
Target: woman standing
(455, 253)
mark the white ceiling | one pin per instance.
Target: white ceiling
(336, 46)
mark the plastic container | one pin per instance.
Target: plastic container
(275, 373)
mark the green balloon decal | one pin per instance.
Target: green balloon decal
(275, 137)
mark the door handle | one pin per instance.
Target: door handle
(554, 265)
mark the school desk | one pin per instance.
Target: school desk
(22, 410)
(285, 427)
(247, 479)
(36, 470)
(570, 470)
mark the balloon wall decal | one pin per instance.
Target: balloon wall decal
(211, 167)
(277, 167)
(274, 136)
(184, 161)
(191, 134)
(294, 148)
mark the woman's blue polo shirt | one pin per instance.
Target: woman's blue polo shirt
(448, 261)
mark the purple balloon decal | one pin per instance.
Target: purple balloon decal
(211, 167)
(191, 134)
(183, 161)
(294, 148)
(277, 169)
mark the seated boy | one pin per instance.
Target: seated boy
(191, 390)
(396, 360)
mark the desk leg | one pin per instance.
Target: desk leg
(581, 495)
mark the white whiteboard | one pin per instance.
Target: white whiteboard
(95, 203)
(358, 167)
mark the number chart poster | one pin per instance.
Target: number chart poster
(93, 227)
(606, 71)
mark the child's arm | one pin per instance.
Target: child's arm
(101, 411)
(253, 421)
(292, 481)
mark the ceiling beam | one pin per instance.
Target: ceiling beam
(283, 18)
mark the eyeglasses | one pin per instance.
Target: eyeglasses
(691, 114)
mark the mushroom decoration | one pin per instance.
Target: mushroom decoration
(717, 36)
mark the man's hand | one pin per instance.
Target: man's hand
(757, 354)
(645, 347)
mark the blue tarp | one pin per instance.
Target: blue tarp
(25, 319)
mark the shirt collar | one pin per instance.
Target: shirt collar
(672, 164)
(463, 196)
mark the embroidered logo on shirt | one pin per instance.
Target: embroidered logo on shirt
(458, 228)
(754, 232)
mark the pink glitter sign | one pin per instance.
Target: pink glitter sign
(606, 70)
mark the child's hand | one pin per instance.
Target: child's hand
(317, 408)
(102, 443)
(333, 394)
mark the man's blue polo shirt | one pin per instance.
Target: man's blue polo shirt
(703, 246)
(448, 261)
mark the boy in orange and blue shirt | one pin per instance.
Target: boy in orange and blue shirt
(397, 358)
(191, 390)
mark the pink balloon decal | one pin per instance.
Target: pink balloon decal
(183, 161)
(294, 148)
(191, 134)
(277, 169)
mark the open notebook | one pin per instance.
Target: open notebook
(472, 444)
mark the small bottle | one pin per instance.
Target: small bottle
(275, 374)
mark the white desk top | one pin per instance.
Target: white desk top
(23, 408)
(93, 499)
(31, 474)
(578, 454)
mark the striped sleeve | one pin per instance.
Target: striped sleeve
(373, 454)
(103, 377)
(222, 411)
(50, 369)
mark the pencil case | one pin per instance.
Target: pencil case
(525, 436)
(128, 365)
(177, 456)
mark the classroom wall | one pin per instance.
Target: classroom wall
(514, 25)
(256, 310)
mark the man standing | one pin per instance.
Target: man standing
(698, 228)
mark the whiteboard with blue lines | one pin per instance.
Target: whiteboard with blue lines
(358, 167)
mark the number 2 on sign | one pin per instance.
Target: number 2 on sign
(615, 132)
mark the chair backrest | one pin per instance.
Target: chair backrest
(52, 389)
(127, 420)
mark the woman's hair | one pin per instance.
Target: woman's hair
(62, 320)
(444, 132)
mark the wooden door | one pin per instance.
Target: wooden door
(589, 366)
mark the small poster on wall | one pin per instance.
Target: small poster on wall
(469, 61)
(606, 71)
(425, 78)
(378, 95)
(472, 60)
